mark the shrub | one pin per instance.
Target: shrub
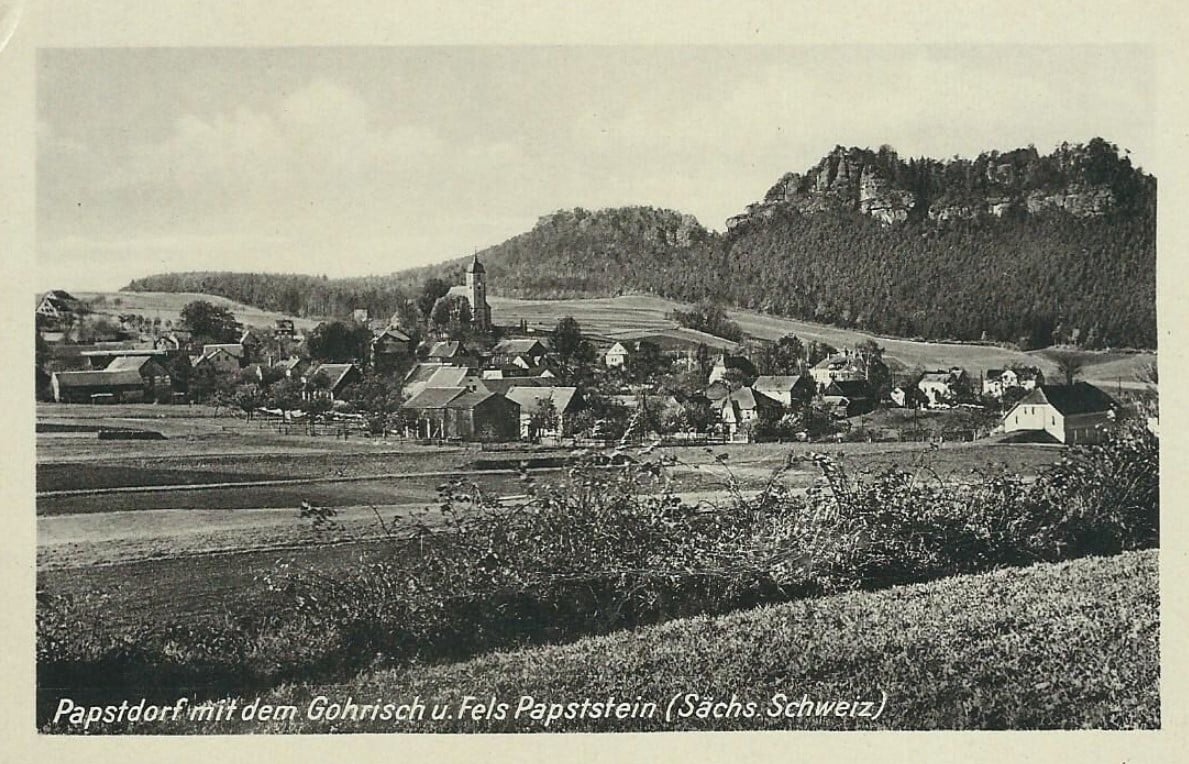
(606, 549)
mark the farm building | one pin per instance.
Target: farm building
(1076, 413)
(786, 388)
(128, 378)
(483, 416)
(534, 402)
(455, 413)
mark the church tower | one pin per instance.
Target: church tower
(476, 287)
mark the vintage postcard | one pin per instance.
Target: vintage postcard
(559, 387)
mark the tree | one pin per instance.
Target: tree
(567, 338)
(285, 396)
(207, 385)
(453, 311)
(544, 419)
(1069, 366)
(785, 356)
(247, 398)
(433, 290)
(648, 362)
(339, 341)
(710, 318)
(210, 322)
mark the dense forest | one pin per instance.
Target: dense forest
(1016, 247)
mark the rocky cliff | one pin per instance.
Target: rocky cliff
(1090, 180)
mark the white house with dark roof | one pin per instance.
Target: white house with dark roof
(617, 356)
(1077, 413)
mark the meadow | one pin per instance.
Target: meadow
(634, 316)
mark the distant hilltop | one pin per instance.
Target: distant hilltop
(1017, 247)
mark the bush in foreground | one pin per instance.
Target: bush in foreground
(1052, 646)
(609, 549)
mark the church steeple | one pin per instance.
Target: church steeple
(476, 290)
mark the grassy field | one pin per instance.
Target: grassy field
(1057, 646)
(636, 315)
(168, 307)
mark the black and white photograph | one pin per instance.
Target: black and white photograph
(572, 388)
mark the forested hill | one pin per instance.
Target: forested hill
(1017, 246)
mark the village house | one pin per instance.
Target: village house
(526, 353)
(390, 348)
(790, 390)
(617, 356)
(998, 381)
(126, 379)
(841, 367)
(943, 388)
(448, 351)
(292, 367)
(726, 362)
(848, 397)
(425, 375)
(329, 380)
(251, 343)
(534, 400)
(739, 411)
(1070, 414)
(507, 383)
(219, 358)
(283, 329)
(57, 304)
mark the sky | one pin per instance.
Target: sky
(356, 161)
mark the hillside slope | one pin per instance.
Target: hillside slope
(1056, 646)
(168, 307)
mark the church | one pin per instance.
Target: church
(475, 292)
